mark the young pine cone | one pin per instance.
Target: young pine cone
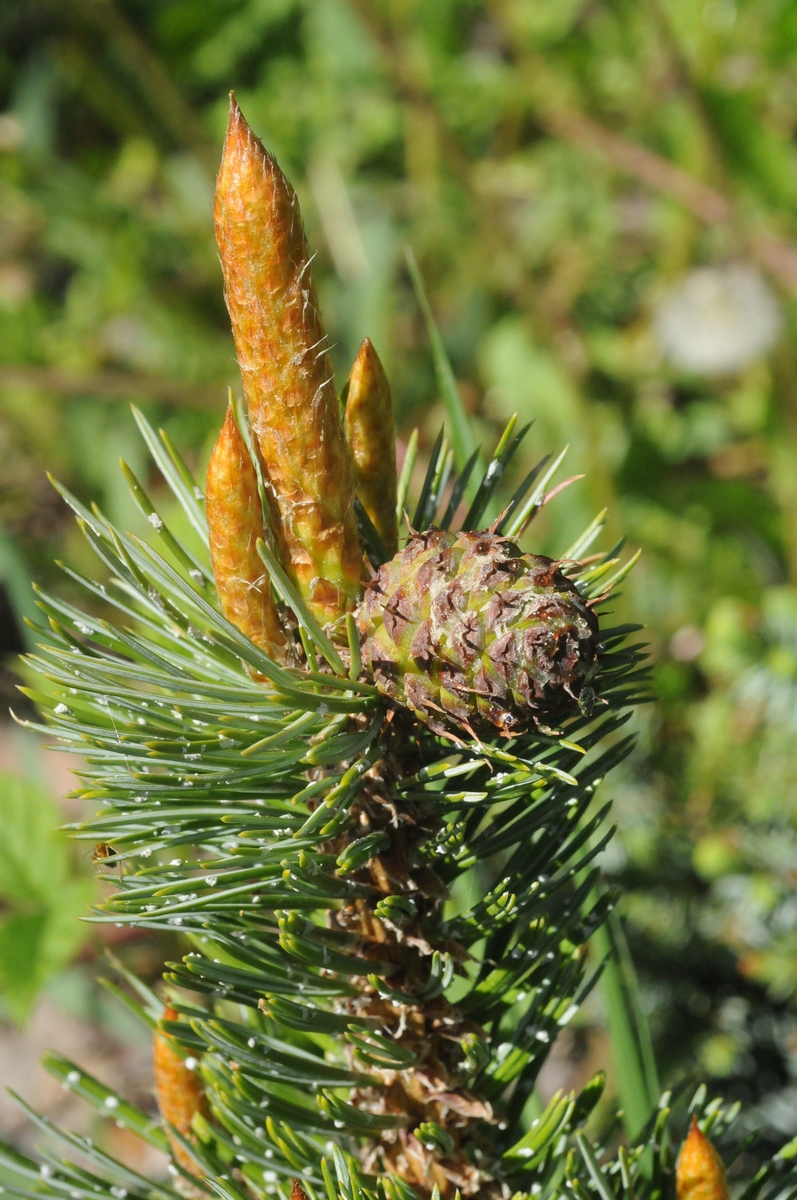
(469, 633)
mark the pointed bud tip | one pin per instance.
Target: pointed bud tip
(367, 370)
(695, 1136)
(699, 1171)
(227, 442)
(239, 139)
(366, 354)
(297, 1191)
(249, 183)
(236, 117)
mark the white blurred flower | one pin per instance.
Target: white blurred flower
(12, 132)
(16, 284)
(716, 320)
(128, 340)
(687, 643)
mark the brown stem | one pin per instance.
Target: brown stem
(434, 1088)
(642, 164)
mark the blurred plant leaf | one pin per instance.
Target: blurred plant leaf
(632, 1045)
(41, 895)
(463, 438)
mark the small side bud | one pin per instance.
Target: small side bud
(476, 1053)
(371, 434)
(434, 1137)
(287, 375)
(400, 910)
(235, 522)
(699, 1173)
(297, 1191)
(179, 1092)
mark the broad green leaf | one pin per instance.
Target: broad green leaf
(34, 859)
(35, 945)
(41, 897)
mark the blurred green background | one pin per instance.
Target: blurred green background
(602, 196)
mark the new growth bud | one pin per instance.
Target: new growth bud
(371, 435)
(699, 1173)
(235, 523)
(180, 1093)
(287, 375)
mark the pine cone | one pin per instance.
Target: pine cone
(472, 635)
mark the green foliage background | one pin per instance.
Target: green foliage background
(471, 130)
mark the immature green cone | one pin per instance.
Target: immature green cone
(474, 636)
(235, 522)
(287, 375)
(371, 434)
